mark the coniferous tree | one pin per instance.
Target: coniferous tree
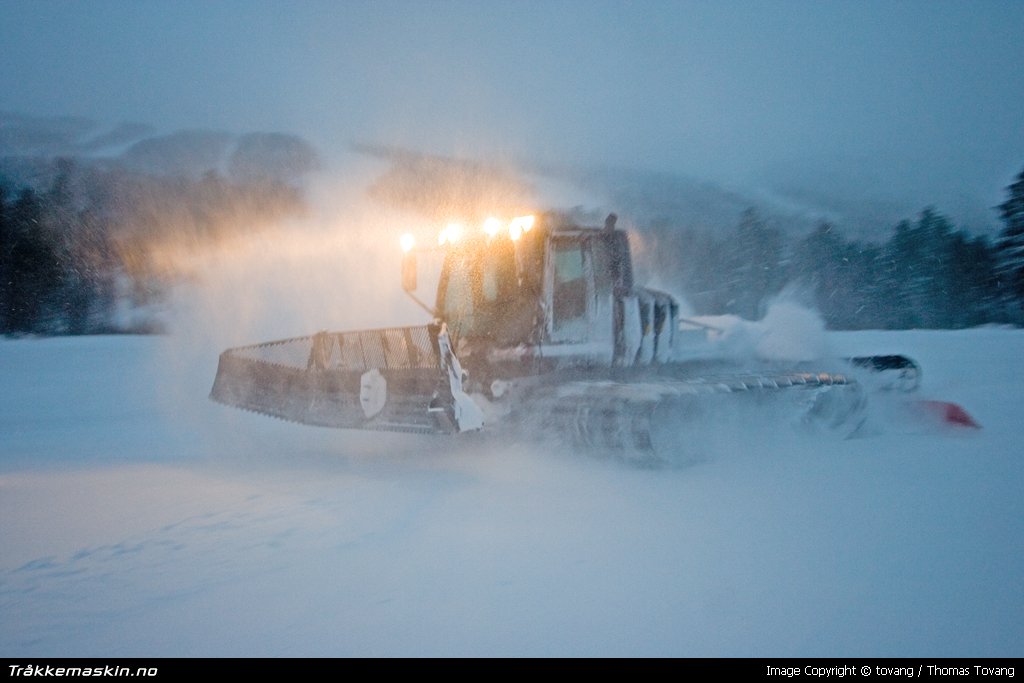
(756, 265)
(935, 275)
(6, 242)
(908, 253)
(817, 261)
(877, 312)
(61, 220)
(35, 270)
(704, 274)
(1010, 248)
(973, 293)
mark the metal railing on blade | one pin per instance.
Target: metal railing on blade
(398, 348)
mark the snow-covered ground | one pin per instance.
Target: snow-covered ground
(138, 518)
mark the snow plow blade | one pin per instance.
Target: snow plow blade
(397, 379)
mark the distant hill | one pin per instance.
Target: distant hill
(28, 144)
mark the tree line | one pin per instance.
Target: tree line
(83, 256)
(927, 274)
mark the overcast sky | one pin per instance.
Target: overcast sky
(921, 98)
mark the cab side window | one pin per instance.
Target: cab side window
(570, 286)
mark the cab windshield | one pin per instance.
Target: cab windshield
(480, 293)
